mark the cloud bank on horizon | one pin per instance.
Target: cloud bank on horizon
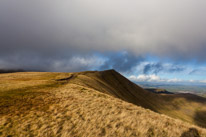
(76, 35)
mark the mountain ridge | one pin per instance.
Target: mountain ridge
(174, 105)
(90, 103)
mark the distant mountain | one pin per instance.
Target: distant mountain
(11, 70)
(94, 103)
(158, 91)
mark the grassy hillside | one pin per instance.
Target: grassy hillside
(75, 104)
(187, 107)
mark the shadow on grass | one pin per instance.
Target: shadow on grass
(200, 118)
(192, 132)
(22, 100)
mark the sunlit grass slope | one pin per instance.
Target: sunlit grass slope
(82, 104)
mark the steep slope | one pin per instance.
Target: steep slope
(187, 107)
(114, 84)
(64, 104)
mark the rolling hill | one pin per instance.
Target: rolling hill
(93, 103)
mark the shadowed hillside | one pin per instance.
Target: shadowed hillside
(89, 104)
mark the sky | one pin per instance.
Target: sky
(152, 41)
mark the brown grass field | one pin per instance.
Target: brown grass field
(93, 104)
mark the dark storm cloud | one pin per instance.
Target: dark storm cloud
(199, 71)
(37, 62)
(176, 69)
(121, 61)
(40, 33)
(155, 68)
(194, 71)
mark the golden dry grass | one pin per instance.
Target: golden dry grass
(53, 106)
